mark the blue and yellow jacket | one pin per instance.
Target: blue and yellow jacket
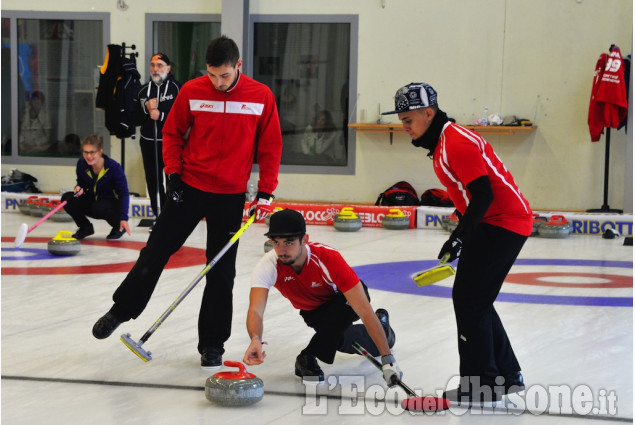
(111, 183)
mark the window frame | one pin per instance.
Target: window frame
(353, 21)
(151, 18)
(13, 16)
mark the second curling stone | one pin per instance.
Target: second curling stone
(347, 221)
(556, 227)
(395, 220)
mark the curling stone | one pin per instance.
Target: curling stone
(237, 388)
(556, 227)
(395, 220)
(60, 215)
(26, 205)
(40, 207)
(449, 223)
(275, 210)
(63, 244)
(347, 221)
(268, 245)
(538, 220)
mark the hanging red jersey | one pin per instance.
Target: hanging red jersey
(608, 106)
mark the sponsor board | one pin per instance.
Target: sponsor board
(139, 207)
(371, 216)
(581, 223)
(323, 214)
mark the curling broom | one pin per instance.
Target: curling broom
(23, 230)
(414, 402)
(435, 274)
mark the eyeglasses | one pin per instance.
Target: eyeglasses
(90, 153)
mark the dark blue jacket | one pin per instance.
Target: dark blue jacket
(110, 184)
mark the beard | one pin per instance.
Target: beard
(287, 261)
(159, 78)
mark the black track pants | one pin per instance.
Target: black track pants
(484, 348)
(86, 206)
(150, 167)
(223, 214)
(335, 331)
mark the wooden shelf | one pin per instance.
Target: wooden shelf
(377, 128)
(500, 129)
(482, 129)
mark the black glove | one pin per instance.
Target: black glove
(175, 188)
(452, 246)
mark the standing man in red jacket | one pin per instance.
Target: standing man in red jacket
(209, 143)
(495, 221)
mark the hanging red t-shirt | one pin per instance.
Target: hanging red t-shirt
(324, 275)
(608, 106)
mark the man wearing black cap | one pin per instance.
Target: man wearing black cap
(495, 220)
(151, 107)
(328, 293)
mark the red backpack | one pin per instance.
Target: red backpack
(399, 194)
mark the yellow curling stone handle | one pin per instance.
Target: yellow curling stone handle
(394, 212)
(64, 235)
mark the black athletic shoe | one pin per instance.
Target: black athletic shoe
(212, 358)
(83, 232)
(115, 233)
(105, 326)
(382, 315)
(307, 368)
(514, 383)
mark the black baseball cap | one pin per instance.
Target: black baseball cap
(413, 96)
(286, 223)
(163, 57)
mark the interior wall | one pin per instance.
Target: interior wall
(534, 60)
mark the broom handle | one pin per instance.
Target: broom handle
(361, 350)
(53, 211)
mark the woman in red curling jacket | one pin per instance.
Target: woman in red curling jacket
(209, 142)
(495, 221)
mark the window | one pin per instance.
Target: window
(309, 63)
(6, 82)
(53, 60)
(184, 39)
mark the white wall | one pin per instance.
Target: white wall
(531, 59)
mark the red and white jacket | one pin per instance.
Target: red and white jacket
(460, 157)
(324, 275)
(224, 128)
(609, 105)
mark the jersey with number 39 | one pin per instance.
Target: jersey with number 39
(324, 275)
(608, 106)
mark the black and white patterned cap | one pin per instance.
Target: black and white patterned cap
(413, 96)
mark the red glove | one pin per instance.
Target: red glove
(261, 206)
